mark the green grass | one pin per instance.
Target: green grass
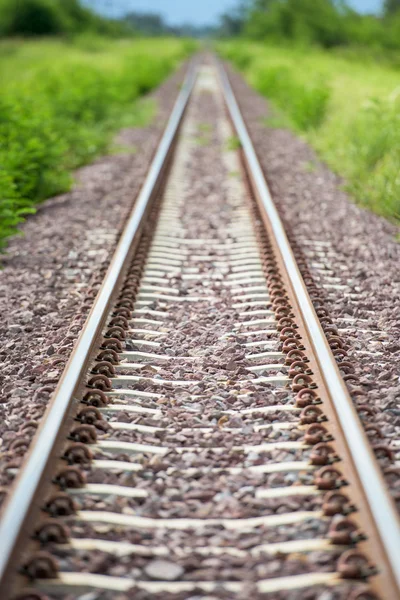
(61, 102)
(233, 143)
(203, 137)
(348, 109)
(205, 127)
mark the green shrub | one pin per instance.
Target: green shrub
(62, 115)
(374, 152)
(305, 103)
(238, 54)
(25, 18)
(304, 100)
(30, 148)
(354, 123)
(90, 41)
(13, 208)
(31, 17)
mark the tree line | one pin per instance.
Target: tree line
(30, 18)
(327, 23)
(52, 17)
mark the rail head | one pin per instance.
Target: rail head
(367, 468)
(16, 512)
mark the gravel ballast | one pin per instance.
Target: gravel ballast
(50, 274)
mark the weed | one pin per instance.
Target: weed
(305, 103)
(204, 127)
(233, 143)
(238, 54)
(202, 140)
(204, 136)
(374, 145)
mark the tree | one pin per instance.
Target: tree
(51, 17)
(232, 23)
(391, 6)
(313, 21)
(31, 17)
(147, 23)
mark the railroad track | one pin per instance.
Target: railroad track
(202, 441)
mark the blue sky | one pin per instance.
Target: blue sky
(197, 12)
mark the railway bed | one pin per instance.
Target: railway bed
(202, 442)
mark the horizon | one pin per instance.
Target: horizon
(179, 12)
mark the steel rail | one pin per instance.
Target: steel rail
(17, 508)
(374, 488)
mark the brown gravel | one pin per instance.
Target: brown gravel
(49, 276)
(345, 242)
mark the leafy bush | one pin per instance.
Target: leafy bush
(305, 103)
(304, 100)
(30, 148)
(63, 114)
(51, 17)
(31, 17)
(238, 54)
(327, 23)
(12, 208)
(353, 123)
(374, 151)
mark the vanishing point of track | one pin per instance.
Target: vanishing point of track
(202, 441)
